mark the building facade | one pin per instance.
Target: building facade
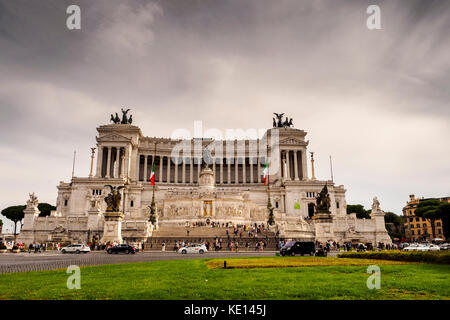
(418, 228)
(199, 180)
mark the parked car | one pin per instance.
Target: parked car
(76, 248)
(125, 248)
(298, 247)
(422, 247)
(193, 248)
(445, 246)
(433, 247)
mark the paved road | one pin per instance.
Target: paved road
(25, 262)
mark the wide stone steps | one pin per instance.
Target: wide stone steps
(205, 232)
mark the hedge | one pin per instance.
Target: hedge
(442, 257)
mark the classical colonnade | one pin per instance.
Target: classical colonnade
(113, 162)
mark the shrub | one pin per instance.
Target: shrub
(442, 257)
(15, 248)
(2, 247)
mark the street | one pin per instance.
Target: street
(25, 262)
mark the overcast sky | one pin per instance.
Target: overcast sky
(376, 100)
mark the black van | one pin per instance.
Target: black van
(298, 247)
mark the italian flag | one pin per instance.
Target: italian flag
(152, 176)
(265, 173)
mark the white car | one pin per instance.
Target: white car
(193, 248)
(422, 247)
(76, 248)
(433, 247)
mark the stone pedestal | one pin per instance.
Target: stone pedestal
(26, 234)
(112, 231)
(323, 224)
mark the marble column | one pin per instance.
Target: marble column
(295, 166)
(175, 180)
(304, 168)
(236, 171)
(199, 168)
(145, 168)
(138, 162)
(117, 162)
(98, 171)
(108, 163)
(161, 164)
(183, 171)
(244, 171)
(229, 171)
(191, 172)
(258, 161)
(250, 160)
(122, 172)
(288, 162)
(168, 169)
(221, 170)
(91, 172)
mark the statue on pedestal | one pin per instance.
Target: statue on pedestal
(32, 202)
(113, 199)
(375, 205)
(323, 202)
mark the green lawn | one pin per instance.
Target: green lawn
(193, 279)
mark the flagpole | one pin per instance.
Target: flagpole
(153, 206)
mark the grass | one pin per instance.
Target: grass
(202, 279)
(294, 262)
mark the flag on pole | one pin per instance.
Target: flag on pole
(152, 176)
(266, 173)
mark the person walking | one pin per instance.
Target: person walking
(163, 247)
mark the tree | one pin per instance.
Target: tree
(359, 210)
(15, 214)
(444, 214)
(45, 209)
(394, 225)
(428, 209)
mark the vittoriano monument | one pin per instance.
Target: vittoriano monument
(196, 182)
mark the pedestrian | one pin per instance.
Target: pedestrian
(163, 246)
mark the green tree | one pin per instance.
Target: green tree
(359, 210)
(45, 209)
(394, 225)
(15, 214)
(428, 209)
(444, 215)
